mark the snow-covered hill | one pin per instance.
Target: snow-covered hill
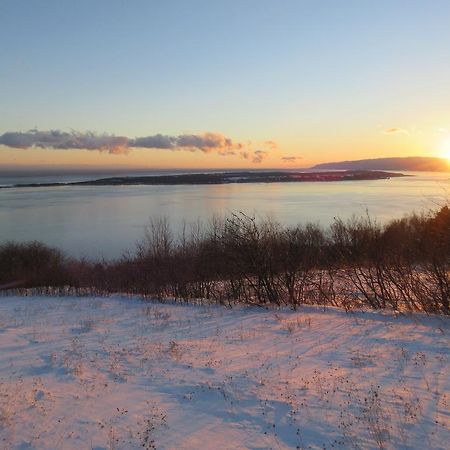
(117, 373)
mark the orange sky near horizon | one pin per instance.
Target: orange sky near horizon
(307, 150)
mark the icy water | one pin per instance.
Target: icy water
(105, 221)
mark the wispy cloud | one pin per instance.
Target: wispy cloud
(395, 130)
(259, 155)
(291, 159)
(207, 143)
(271, 144)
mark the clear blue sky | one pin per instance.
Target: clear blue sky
(321, 78)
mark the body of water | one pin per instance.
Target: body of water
(105, 221)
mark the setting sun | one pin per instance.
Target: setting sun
(445, 148)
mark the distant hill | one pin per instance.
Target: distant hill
(415, 163)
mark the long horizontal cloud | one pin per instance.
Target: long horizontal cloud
(55, 139)
(62, 140)
(395, 130)
(206, 142)
(290, 159)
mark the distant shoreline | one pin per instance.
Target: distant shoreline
(226, 178)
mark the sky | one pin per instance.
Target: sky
(222, 84)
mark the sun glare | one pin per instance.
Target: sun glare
(445, 148)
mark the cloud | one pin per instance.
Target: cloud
(62, 140)
(290, 159)
(157, 141)
(259, 155)
(271, 144)
(395, 130)
(207, 142)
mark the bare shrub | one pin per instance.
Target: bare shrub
(32, 264)
(403, 265)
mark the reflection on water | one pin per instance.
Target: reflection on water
(106, 220)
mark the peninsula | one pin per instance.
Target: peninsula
(229, 177)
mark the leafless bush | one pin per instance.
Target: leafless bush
(32, 264)
(403, 265)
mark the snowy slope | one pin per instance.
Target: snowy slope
(116, 373)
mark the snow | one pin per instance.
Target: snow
(121, 373)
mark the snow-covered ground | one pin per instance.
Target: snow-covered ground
(117, 373)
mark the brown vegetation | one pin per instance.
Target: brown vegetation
(403, 265)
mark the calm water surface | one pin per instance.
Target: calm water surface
(107, 220)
